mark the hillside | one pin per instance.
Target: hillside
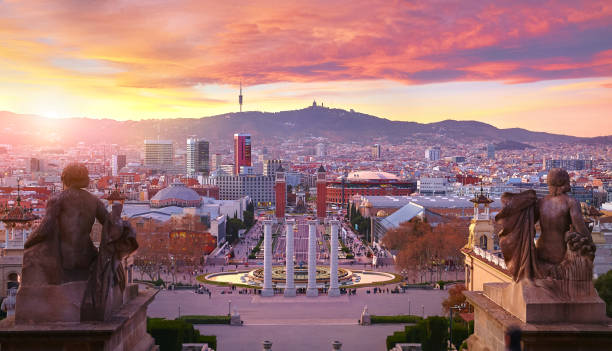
(337, 125)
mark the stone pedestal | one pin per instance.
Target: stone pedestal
(311, 289)
(235, 318)
(334, 290)
(289, 280)
(504, 305)
(127, 330)
(267, 289)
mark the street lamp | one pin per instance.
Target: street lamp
(459, 308)
(229, 307)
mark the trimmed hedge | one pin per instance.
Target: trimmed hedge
(402, 318)
(201, 319)
(431, 332)
(170, 335)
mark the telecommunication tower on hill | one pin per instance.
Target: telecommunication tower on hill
(240, 97)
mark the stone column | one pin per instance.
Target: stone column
(312, 290)
(290, 285)
(267, 285)
(333, 260)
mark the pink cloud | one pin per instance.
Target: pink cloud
(184, 43)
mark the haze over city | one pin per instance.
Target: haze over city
(524, 64)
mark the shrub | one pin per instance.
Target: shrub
(197, 319)
(405, 318)
(397, 337)
(603, 284)
(211, 340)
(170, 335)
(350, 256)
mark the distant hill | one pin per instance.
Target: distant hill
(337, 125)
(511, 145)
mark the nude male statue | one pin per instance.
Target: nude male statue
(60, 250)
(558, 215)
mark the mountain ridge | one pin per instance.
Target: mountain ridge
(336, 125)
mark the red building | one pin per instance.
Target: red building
(368, 183)
(321, 193)
(191, 243)
(242, 151)
(280, 191)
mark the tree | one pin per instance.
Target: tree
(455, 297)
(603, 284)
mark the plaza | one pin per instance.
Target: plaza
(311, 323)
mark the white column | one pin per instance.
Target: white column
(290, 285)
(267, 286)
(333, 260)
(312, 259)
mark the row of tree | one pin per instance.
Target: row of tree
(422, 248)
(235, 224)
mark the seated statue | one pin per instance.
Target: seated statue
(61, 262)
(563, 253)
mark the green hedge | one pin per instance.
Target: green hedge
(395, 338)
(197, 319)
(170, 335)
(402, 318)
(158, 282)
(431, 332)
(350, 256)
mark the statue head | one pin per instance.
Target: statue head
(75, 175)
(558, 181)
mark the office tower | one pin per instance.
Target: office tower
(376, 151)
(118, 162)
(216, 161)
(197, 159)
(433, 154)
(36, 165)
(321, 192)
(270, 166)
(159, 155)
(280, 190)
(320, 150)
(491, 151)
(568, 165)
(242, 151)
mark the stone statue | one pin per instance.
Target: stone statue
(8, 304)
(64, 277)
(564, 252)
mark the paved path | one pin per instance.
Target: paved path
(310, 323)
(301, 337)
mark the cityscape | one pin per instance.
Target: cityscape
(148, 202)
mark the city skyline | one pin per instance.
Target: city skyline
(538, 67)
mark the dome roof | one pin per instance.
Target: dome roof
(176, 191)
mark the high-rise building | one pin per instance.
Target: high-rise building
(216, 161)
(433, 154)
(259, 188)
(159, 155)
(321, 192)
(376, 151)
(491, 151)
(568, 165)
(117, 162)
(36, 165)
(197, 159)
(270, 166)
(320, 150)
(280, 192)
(242, 151)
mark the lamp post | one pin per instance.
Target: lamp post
(459, 308)
(229, 307)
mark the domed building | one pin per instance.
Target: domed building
(177, 194)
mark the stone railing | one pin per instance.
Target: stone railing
(490, 257)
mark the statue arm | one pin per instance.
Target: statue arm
(48, 224)
(101, 213)
(577, 219)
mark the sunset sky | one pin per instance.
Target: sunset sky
(540, 65)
